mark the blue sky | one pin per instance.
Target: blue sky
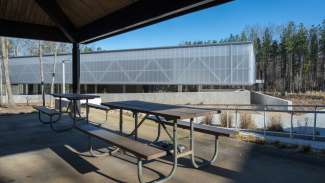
(219, 22)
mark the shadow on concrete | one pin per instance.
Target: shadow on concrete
(237, 161)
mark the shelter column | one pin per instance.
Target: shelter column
(75, 68)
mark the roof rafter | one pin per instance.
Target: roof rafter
(31, 31)
(54, 11)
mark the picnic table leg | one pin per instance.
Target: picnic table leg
(121, 121)
(175, 157)
(135, 125)
(48, 121)
(161, 124)
(92, 152)
(87, 111)
(192, 149)
(158, 133)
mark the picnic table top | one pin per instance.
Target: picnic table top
(74, 96)
(164, 110)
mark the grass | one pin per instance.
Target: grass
(246, 121)
(208, 119)
(223, 119)
(275, 123)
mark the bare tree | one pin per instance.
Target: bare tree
(54, 70)
(5, 66)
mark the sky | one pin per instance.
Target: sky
(219, 22)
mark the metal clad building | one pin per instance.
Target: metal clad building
(220, 64)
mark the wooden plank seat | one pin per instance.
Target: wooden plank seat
(53, 117)
(207, 129)
(139, 149)
(46, 110)
(100, 107)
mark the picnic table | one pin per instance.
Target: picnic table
(73, 106)
(166, 114)
(163, 114)
(74, 101)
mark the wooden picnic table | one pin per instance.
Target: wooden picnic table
(172, 113)
(73, 104)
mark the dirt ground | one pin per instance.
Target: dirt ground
(308, 98)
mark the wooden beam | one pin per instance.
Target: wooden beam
(139, 14)
(31, 31)
(54, 11)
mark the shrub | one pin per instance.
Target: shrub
(275, 124)
(223, 119)
(246, 121)
(208, 119)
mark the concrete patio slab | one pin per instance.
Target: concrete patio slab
(31, 152)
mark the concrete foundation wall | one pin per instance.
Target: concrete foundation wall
(219, 97)
(27, 99)
(263, 99)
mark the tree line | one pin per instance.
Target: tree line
(289, 58)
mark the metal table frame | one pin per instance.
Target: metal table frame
(172, 136)
(74, 107)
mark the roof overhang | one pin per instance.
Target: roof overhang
(88, 20)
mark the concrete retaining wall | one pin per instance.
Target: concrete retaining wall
(219, 97)
(27, 99)
(263, 99)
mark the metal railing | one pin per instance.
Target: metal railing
(289, 109)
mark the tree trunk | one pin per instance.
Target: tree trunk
(5, 64)
(322, 84)
(53, 74)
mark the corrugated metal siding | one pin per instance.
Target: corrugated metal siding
(227, 64)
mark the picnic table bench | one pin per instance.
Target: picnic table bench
(139, 149)
(207, 129)
(100, 107)
(51, 113)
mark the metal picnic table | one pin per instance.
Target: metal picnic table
(173, 113)
(73, 104)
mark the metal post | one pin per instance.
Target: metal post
(227, 120)
(121, 121)
(75, 68)
(264, 126)
(63, 76)
(291, 122)
(236, 119)
(1, 102)
(136, 125)
(315, 120)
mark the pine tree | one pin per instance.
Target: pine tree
(322, 51)
(313, 42)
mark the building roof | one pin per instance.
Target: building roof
(87, 20)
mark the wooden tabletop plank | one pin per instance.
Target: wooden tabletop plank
(165, 110)
(73, 96)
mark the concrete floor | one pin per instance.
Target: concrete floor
(31, 152)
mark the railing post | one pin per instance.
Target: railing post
(291, 123)
(315, 121)
(227, 120)
(236, 119)
(264, 122)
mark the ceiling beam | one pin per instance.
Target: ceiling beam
(54, 11)
(141, 13)
(31, 31)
